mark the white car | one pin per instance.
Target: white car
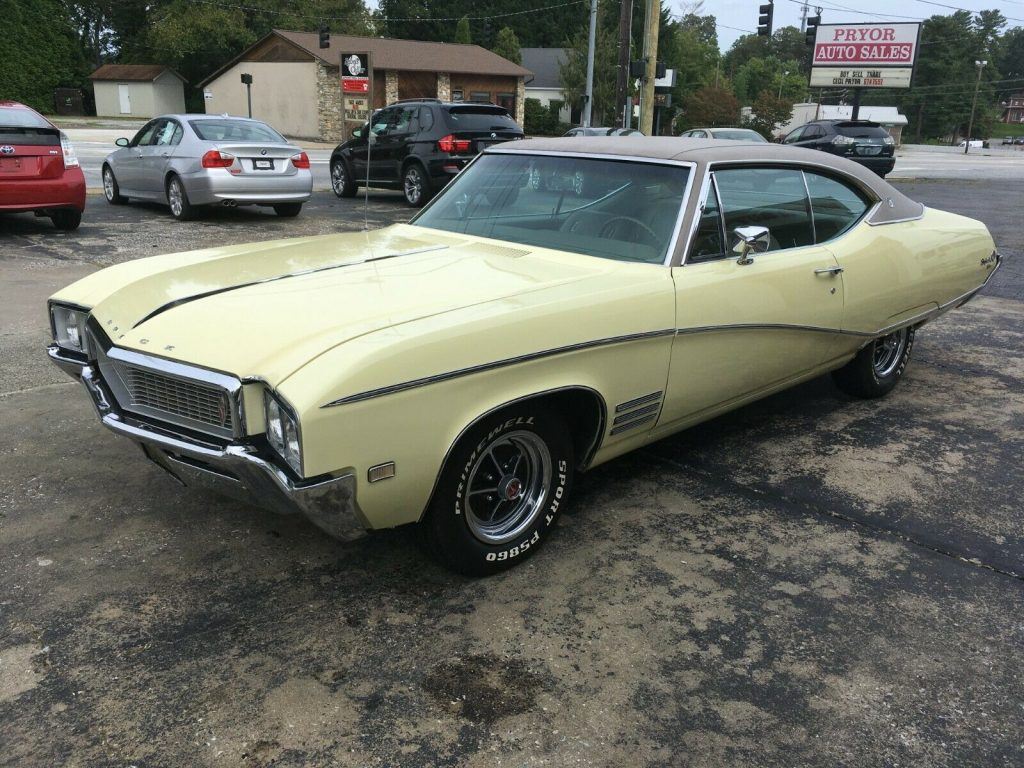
(975, 144)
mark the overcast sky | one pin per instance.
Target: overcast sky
(742, 14)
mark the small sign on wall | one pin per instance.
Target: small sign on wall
(207, 94)
(355, 72)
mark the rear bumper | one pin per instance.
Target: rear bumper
(216, 185)
(878, 164)
(235, 470)
(68, 191)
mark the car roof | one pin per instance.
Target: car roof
(207, 116)
(703, 152)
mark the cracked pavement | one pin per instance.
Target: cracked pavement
(811, 580)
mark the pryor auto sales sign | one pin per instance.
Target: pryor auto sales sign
(865, 55)
(866, 45)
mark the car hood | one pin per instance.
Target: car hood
(264, 310)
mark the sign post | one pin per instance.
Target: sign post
(356, 90)
(868, 55)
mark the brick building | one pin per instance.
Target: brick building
(1013, 108)
(296, 84)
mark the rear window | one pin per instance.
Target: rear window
(480, 118)
(12, 117)
(235, 130)
(739, 135)
(861, 131)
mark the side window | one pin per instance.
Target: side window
(403, 121)
(164, 136)
(426, 118)
(178, 133)
(836, 206)
(708, 241)
(145, 136)
(793, 136)
(813, 132)
(381, 120)
(767, 197)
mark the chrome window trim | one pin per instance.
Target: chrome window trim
(673, 243)
(810, 206)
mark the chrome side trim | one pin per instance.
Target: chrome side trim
(302, 273)
(427, 380)
(652, 408)
(768, 326)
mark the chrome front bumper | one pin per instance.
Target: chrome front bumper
(234, 470)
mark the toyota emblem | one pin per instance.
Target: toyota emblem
(6, 149)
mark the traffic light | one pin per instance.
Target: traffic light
(764, 20)
(325, 37)
(812, 28)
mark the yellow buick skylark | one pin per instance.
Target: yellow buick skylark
(561, 302)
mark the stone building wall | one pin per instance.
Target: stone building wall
(390, 87)
(444, 86)
(328, 92)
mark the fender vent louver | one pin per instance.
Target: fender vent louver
(636, 412)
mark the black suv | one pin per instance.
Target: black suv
(862, 141)
(419, 145)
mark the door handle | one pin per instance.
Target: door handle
(831, 271)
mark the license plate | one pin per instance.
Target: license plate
(869, 150)
(263, 165)
(482, 145)
(10, 164)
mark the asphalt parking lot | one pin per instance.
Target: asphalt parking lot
(809, 581)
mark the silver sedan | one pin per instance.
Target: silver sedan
(192, 160)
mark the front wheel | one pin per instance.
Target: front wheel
(287, 210)
(416, 186)
(501, 491)
(878, 367)
(341, 180)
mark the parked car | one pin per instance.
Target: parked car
(727, 134)
(418, 146)
(592, 131)
(39, 171)
(1019, 140)
(458, 371)
(189, 161)
(975, 144)
(862, 141)
(1010, 140)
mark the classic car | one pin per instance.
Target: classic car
(459, 370)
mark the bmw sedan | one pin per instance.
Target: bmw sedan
(188, 161)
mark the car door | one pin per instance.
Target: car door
(146, 150)
(390, 128)
(156, 158)
(814, 137)
(744, 329)
(127, 163)
(794, 136)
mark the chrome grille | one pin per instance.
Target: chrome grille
(176, 397)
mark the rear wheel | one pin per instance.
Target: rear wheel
(177, 199)
(341, 180)
(287, 210)
(111, 190)
(501, 491)
(878, 367)
(66, 219)
(416, 185)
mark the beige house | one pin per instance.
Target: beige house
(297, 89)
(137, 90)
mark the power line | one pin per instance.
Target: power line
(317, 17)
(957, 8)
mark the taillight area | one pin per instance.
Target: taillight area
(215, 159)
(70, 158)
(300, 160)
(450, 144)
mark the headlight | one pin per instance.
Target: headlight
(283, 432)
(68, 327)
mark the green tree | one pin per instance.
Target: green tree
(769, 112)
(709, 107)
(39, 51)
(462, 34)
(506, 45)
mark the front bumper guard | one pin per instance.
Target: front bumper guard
(234, 470)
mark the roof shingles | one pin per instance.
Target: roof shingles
(138, 72)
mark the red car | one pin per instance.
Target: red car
(38, 168)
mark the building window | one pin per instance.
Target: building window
(457, 94)
(480, 96)
(508, 101)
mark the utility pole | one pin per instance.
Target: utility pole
(803, 18)
(622, 73)
(652, 21)
(588, 104)
(974, 105)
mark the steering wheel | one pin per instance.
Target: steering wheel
(609, 228)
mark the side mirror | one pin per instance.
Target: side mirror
(122, 142)
(357, 133)
(750, 240)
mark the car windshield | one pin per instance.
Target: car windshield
(14, 117)
(613, 209)
(480, 118)
(225, 129)
(861, 130)
(738, 134)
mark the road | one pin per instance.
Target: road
(810, 580)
